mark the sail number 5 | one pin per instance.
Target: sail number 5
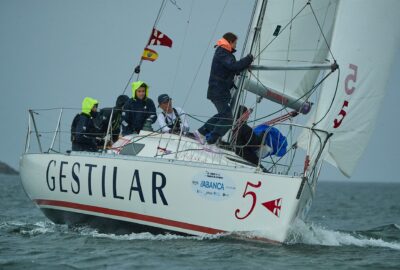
(349, 90)
(351, 77)
(253, 196)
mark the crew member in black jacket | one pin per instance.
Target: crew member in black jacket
(85, 135)
(103, 119)
(138, 109)
(223, 70)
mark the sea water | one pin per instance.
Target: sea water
(350, 226)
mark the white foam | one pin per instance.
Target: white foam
(316, 235)
(25, 228)
(143, 236)
(12, 223)
(42, 227)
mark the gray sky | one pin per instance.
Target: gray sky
(53, 53)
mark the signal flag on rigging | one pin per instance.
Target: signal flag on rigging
(149, 55)
(158, 38)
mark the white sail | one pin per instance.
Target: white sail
(364, 44)
(300, 42)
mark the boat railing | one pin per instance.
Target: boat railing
(47, 135)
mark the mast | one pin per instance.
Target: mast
(257, 29)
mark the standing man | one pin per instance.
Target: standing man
(171, 119)
(223, 70)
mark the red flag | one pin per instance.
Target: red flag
(158, 38)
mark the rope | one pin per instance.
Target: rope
(282, 118)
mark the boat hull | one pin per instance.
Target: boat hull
(134, 194)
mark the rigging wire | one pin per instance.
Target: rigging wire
(283, 29)
(175, 4)
(290, 24)
(288, 49)
(322, 32)
(333, 99)
(249, 29)
(182, 46)
(204, 54)
(159, 15)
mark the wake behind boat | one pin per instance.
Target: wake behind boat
(172, 183)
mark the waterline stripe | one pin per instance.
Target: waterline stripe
(130, 215)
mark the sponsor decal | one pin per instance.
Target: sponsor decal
(83, 178)
(213, 186)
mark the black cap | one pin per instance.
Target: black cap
(163, 98)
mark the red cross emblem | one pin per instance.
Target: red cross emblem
(274, 206)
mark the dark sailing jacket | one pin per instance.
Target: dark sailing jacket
(85, 134)
(103, 119)
(136, 111)
(223, 70)
(83, 128)
(248, 143)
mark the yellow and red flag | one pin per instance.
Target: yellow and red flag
(149, 55)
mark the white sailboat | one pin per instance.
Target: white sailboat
(170, 183)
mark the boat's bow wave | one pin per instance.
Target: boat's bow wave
(387, 236)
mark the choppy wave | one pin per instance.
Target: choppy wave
(29, 229)
(303, 233)
(47, 227)
(387, 236)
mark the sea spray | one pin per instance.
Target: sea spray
(312, 234)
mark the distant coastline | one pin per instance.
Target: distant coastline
(5, 169)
